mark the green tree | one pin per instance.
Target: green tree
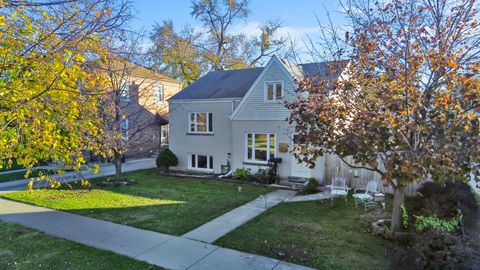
(177, 53)
(166, 159)
(188, 54)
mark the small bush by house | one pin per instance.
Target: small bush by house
(166, 159)
(266, 176)
(242, 174)
(311, 186)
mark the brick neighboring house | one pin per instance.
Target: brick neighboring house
(144, 104)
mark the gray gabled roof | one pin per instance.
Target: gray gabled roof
(220, 84)
(235, 83)
(324, 70)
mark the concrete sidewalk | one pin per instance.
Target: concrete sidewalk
(43, 167)
(311, 197)
(106, 170)
(164, 250)
(213, 230)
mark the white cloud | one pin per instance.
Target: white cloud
(296, 33)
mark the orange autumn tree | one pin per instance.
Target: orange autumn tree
(407, 105)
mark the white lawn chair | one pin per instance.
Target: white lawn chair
(367, 197)
(338, 188)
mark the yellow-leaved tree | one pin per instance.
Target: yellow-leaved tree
(48, 101)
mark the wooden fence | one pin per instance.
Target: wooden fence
(357, 178)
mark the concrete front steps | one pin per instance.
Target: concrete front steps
(292, 183)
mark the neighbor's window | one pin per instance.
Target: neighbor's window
(273, 91)
(164, 135)
(124, 128)
(201, 162)
(260, 147)
(158, 92)
(125, 90)
(201, 122)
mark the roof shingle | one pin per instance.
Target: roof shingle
(235, 83)
(221, 84)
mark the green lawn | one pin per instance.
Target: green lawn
(158, 203)
(24, 248)
(314, 234)
(4, 177)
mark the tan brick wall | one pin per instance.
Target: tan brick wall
(142, 111)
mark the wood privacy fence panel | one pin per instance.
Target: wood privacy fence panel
(357, 178)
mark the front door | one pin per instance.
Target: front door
(299, 169)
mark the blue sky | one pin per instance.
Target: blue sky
(297, 16)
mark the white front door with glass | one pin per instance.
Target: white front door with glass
(299, 169)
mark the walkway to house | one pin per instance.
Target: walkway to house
(167, 251)
(213, 230)
(311, 197)
(105, 170)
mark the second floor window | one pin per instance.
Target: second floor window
(124, 128)
(200, 122)
(158, 92)
(273, 91)
(125, 91)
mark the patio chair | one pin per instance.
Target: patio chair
(366, 198)
(338, 188)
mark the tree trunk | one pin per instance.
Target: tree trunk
(398, 200)
(118, 165)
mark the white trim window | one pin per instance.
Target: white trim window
(200, 162)
(260, 147)
(125, 90)
(124, 128)
(158, 93)
(164, 135)
(273, 91)
(200, 122)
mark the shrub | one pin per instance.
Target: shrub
(442, 250)
(242, 174)
(266, 176)
(311, 186)
(166, 159)
(445, 218)
(445, 200)
(423, 223)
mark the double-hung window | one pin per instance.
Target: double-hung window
(124, 128)
(125, 90)
(200, 122)
(273, 91)
(158, 93)
(260, 147)
(200, 162)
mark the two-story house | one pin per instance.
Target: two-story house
(142, 103)
(239, 117)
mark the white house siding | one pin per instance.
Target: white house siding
(252, 115)
(283, 132)
(240, 128)
(255, 107)
(217, 144)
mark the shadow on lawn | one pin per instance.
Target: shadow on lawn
(157, 203)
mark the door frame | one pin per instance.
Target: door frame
(294, 166)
